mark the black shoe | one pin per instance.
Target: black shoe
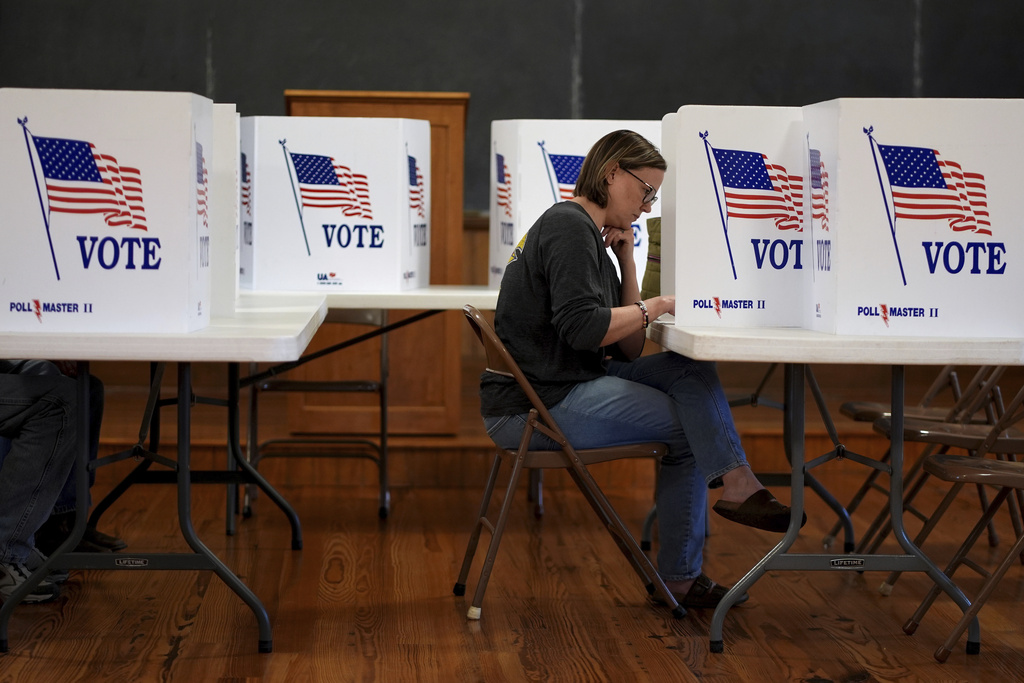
(57, 528)
(761, 511)
(99, 541)
(703, 594)
(706, 594)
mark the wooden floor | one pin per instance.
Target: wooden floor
(371, 600)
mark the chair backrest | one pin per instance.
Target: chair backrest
(500, 362)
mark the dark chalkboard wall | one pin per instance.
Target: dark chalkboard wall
(521, 59)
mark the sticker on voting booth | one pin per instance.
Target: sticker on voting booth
(923, 208)
(337, 204)
(739, 254)
(105, 197)
(534, 164)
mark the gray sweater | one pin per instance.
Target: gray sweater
(553, 309)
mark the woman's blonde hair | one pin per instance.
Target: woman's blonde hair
(623, 147)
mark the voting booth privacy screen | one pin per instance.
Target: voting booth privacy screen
(224, 207)
(335, 204)
(105, 204)
(853, 216)
(534, 164)
(736, 254)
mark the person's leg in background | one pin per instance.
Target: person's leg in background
(37, 417)
(62, 520)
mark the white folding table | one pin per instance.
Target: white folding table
(798, 348)
(429, 301)
(262, 329)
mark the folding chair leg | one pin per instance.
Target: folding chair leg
(993, 535)
(496, 533)
(958, 559)
(653, 582)
(972, 613)
(481, 521)
(992, 579)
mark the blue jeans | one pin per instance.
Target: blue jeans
(66, 500)
(37, 413)
(662, 397)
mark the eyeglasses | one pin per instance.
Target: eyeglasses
(651, 196)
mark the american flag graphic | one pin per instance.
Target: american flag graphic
(756, 188)
(567, 171)
(504, 185)
(416, 202)
(325, 184)
(246, 185)
(79, 180)
(202, 187)
(819, 189)
(925, 186)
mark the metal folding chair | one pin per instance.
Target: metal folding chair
(1007, 474)
(973, 403)
(961, 433)
(573, 461)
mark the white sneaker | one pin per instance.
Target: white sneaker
(14, 575)
(35, 561)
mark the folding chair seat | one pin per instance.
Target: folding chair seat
(575, 462)
(1000, 439)
(1009, 477)
(331, 446)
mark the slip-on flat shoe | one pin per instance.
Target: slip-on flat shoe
(761, 511)
(704, 594)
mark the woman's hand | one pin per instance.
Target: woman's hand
(620, 240)
(660, 305)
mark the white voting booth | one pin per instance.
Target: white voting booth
(736, 256)
(335, 204)
(854, 216)
(534, 164)
(924, 234)
(105, 204)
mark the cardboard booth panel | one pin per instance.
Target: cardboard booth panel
(105, 204)
(224, 208)
(534, 164)
(737, 256)
(340, 204)
(924, 216)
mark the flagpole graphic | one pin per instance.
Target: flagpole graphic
(718, 198)
(39, 194)
(881, 186)
(295, 194)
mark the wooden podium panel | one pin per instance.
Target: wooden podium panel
(425, 374)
